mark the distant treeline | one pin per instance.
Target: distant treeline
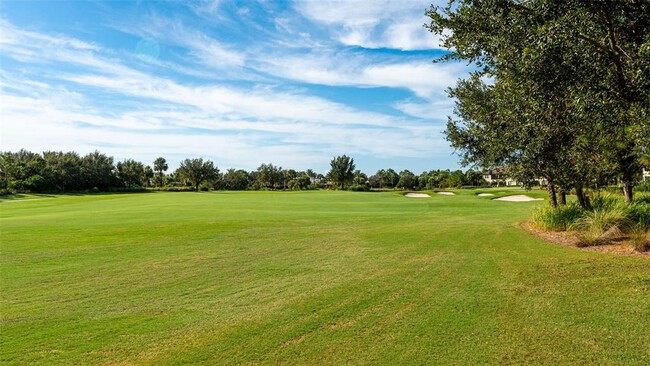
(57, 171)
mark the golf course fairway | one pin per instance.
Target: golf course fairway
(308, 278)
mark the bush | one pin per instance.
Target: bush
(607, 201)
(174, 189)
(640, 238)
(601, 225)
(359, 188)
(642, 187)
(642, 197)
(557, 219)
(639, 213)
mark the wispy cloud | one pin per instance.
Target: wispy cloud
(239, 103)
(374, 24)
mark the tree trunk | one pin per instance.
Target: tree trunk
(562, 197)
(583, 201)
(628, 191)
(552, 199)
(628, 166)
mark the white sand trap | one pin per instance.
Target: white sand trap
(24, 200)
(447, 193)
(416, 195)
(485, 194)
(518, 198)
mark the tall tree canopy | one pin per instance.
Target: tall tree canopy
(561, 89)
(342, 169)
(197, 171)
(160, 166)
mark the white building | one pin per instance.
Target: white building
(493, 177)
(646, 175)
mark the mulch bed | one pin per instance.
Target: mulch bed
(568, 239)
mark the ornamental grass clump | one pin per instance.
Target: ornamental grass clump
(602, 225)
(639, 213)
(607, 201)
(557, 219)
(640, 238)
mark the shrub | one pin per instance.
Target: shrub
(359, 188)
(640, 238)
(639, 213)
(607, 201)
(601, 225)
(643, 187)
(642, 197)
(557, 219)
(175, 189)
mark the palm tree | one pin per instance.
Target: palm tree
(160, 166)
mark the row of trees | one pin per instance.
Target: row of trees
(70, 172)
(561, 89)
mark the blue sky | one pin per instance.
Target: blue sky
(240, 83)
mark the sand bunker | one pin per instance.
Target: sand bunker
(485, 194)
(518, 198)
(446, 193)
(416, 195)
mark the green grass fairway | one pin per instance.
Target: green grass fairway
(307, 278)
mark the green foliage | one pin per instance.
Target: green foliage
(160, 166)
(602, 225)
(299, 183)
(640, 238)
(359, 188)
(269, 176)
(607, 201)
(643, 187)
(132, 173)
(196, 171)
(557, 219)
(568, 96)
(237, 180)
(341, 172)
(407, 180)
(639, 213)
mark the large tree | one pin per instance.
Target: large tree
(62, 171)
(160, 166)
(97, 171)
(557, 83)
(269, 176)
(342, 169)
(131, 173)
(197, 171)
(236, 179)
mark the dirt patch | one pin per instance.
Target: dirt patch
(417, 195)
(568, 239)
(518, 198)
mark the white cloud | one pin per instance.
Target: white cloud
(437, 110)
(374, 24)
(203, 48)
(235, 127)
(14, 36)
(54, 125)
(422, 77)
